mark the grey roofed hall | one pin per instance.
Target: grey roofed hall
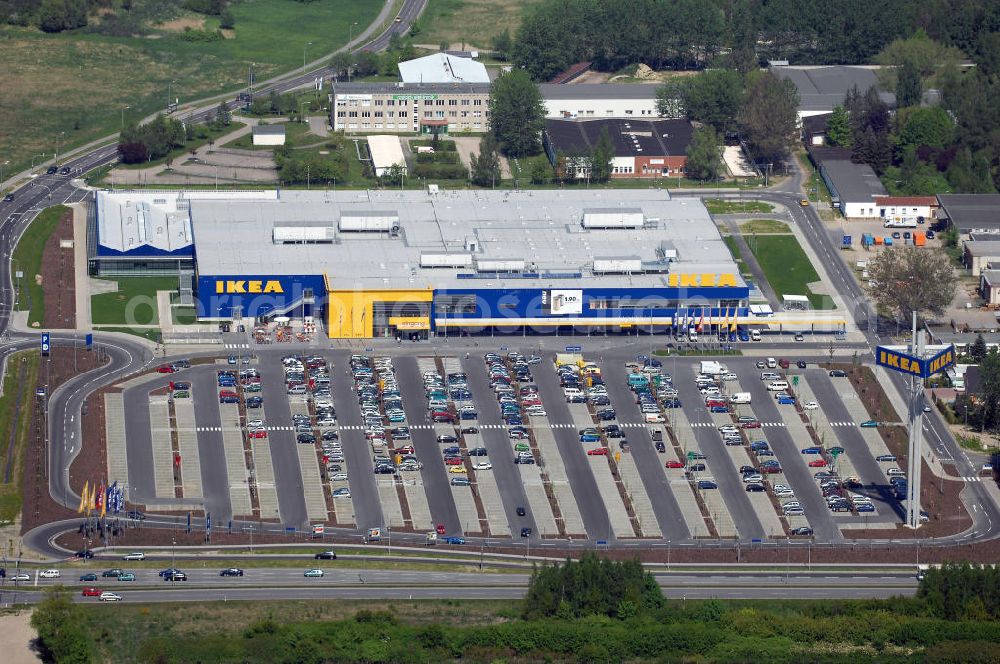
(823, 88)
(854, 182)
(971, 211)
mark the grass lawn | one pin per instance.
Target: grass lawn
(151, 333)
(184, 315)
(734, 249)
(720, 206)
(28, 259)
(295, 132)
(787, 267)
(176, 154)
(133, 304)
(10, 493)
(79, 82)
(764, 226)
(469, 22)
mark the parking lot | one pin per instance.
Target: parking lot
(504, 444)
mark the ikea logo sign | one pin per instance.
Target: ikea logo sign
(240, 286)
(701, 280)
(897, 359)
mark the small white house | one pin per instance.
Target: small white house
(269, 134)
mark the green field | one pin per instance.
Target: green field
(471, 23)
(28, 259)
(734, 249)
(64, 90)
(10, 494)
(787, 267)
(720, 206)
(133, 304)
(211, 134)
(764, 226)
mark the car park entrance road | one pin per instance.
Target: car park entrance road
(215, 478)
(581, 479)
(434, 474)
(284, 455)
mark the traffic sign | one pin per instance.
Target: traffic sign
(45, 343)
(89, 339)
(503, 349)
(369, 350)
(642, 358)
(602, 542)
(795, 380)
(574, 349)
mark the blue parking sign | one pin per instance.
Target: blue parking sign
(45, 343)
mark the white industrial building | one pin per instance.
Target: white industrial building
(601, 100)
(385, 152)
(443, 68)
(269, 134)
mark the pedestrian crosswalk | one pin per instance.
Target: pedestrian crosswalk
(713, 425)
(431, 427)
(972, 478)
(236, 346)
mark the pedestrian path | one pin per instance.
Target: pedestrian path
(163, 454)
(187, 447)
(236, 462)
(114, 433)
(312, 484)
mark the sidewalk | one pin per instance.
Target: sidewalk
(81, 278)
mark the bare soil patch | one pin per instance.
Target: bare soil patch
(188, 22)
(59, 278)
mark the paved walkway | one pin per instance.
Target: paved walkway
(80, 277)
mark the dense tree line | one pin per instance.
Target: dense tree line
(591, 586)
(740, 33)
(961, 591)
(153, 140)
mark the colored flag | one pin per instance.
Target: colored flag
(701, 321)
(104, 500)
(732, 324)
(83, 499)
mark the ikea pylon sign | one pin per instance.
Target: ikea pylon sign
(898, 359)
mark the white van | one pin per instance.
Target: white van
(654, 418)
(777, 385)
(771, 363)
(297, 389)
(755, 335)
(572, 392)
(770, 375)
(692, 335)
(740, 397)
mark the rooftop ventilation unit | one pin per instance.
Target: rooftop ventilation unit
(444, 259)
(613, 218)
(617, 265)
(500, 264)
(369, 222)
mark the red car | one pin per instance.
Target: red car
(751, 425)
(710, 403)
(675, 464)
(442, 416)
(91, 592)
(818, 463)
(597, 451)
(165, 368)
(772, 469)
(408, 449)
(453, 461)
(440, 529)
(258, 434)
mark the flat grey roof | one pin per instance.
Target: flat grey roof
(269, 129)
(821, 88)
(541, 227)
(854, 182)
(970, 211)
(983, 248)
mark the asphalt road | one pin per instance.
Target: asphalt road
(499, 447)
(284, 456)
(214, 475)
(647, 459)
(364, 492)
(592, 509)
(434, 474)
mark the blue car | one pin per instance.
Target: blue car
(672, 403)
(719, 409)
(743, 335)
(759, 445)
(590, 438)
(454, 540)
(786, 401)
(864, 507)
(706, 484)
(812, 450)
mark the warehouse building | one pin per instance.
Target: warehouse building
(971, 213)
(643, 148)
(853, 187)
(391, 263)
(823, 88)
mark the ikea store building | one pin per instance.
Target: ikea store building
(368, 264)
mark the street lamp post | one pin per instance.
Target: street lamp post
(351, 34)
(58, 145)
(7, 162)
(305, 49)
(35, 157)
(124, 108)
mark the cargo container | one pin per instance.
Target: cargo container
(919, 239)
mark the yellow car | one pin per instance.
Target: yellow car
(456, 469)
(804, 202)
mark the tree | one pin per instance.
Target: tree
(503, 44)
(743, 56)
(909, 86)
(517, 114)
(703, 162)
(601, 157)
(226, 19)
(977, 351)
(392, 176)
(769, 116)
(713, 97)
(872, 148)
(931, 127)
(911, 279)
(922, 52)
(61, 633)
(970, 173)
(486, 164)
(223, 118)
(670, 100)
(838, 128)
(540, 171)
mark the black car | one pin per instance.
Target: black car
(802, 531)
(838, 373)
(86, 554)
(470, 430)
(51, 170)
(254, 402)
(660, 447)
(64, 170)
(326, 555)
(307, 438)
(525, 532)
(136, 515)
(8, 198)
(478, 451)
(232, 571)
(520, 511)
(176, 575)
(330, 435)
(606, 414)
(801, 364)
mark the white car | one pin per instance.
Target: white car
(784, 493)
(338, 477)
(810, 405)
(255, 424)
(49, 574)
(483, 465)
(730, 376)
(108, 596)
(21, 577)
(135, 555)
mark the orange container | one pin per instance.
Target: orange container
(919, 239)
(878, 239)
